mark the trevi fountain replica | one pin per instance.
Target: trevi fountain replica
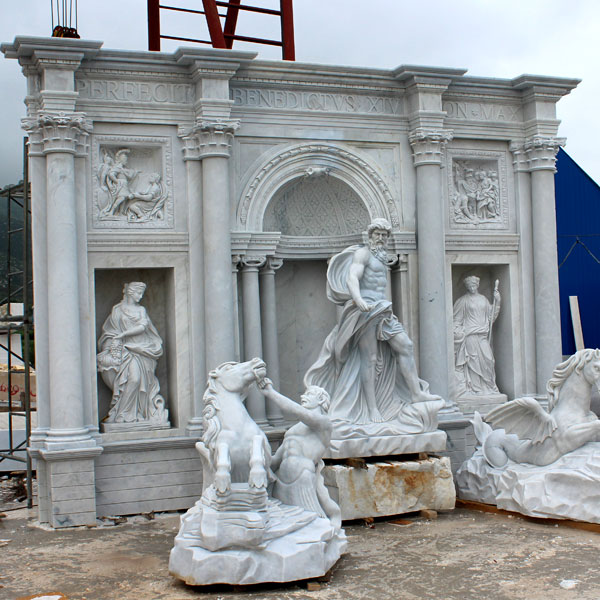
(280, 296)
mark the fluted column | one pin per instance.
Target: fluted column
(268, 312)
(541, 154)
(191, 157)
(427, 145)
(58, 137)
(214, 145)
(252, 329)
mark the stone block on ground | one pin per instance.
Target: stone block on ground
(388, 487)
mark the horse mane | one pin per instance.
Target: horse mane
(574, 363)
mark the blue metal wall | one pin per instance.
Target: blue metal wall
(578, 238)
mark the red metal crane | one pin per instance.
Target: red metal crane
(222, 33)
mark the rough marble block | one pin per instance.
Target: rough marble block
(391, 487)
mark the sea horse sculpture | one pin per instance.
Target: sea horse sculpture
(522, 431)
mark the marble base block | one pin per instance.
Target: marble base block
(139, 426)
(468, 404)
(303, 554)
(387, 445)
(391, 487)
(565, 489)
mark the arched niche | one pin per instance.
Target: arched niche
(307, 161)
(316, 207)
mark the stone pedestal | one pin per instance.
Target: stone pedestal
(482, 404)
(391, 487)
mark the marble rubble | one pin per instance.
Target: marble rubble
(537, 462)
(224, 183)
(260, 518)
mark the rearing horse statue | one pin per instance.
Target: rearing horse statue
(525, 433)
(234, 448)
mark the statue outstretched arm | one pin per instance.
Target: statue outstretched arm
(292, 410)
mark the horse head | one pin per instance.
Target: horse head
(584, 363)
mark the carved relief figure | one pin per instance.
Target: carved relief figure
(476, 197)
(367, 363)
(119, 183)
(473, 357)
(129, 349)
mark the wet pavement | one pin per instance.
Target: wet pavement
(463, 554)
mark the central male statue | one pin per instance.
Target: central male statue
(367, 363)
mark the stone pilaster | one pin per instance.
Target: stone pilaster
(427, 146)
(523, 196)
(191, 157)
(251, 318)
(268, 313)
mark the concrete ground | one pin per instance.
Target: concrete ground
(464, 554)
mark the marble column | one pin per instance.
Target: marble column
(252, 329)
(191, 157)
(523, 192)
(214, 145)
(59, 136)
(268, 313)
(427, 145)
(541, 154)
(400, 296)
(235, 263)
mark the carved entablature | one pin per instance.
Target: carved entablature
(477, 190)
(132, 179)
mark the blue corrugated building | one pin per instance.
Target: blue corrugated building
(578, 238)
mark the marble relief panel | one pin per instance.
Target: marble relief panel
(132, 182)
(477, 190)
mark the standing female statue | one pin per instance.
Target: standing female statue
(129, 349)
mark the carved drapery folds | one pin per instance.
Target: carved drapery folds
(58, 132)
(428, 145)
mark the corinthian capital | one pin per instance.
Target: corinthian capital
(541, 152)
(215, 137)
(58, 132)
(428, 144)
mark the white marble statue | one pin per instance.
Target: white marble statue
(367, 363)
(128, 352)
(474, 361)
(538, 462)
(252, 525)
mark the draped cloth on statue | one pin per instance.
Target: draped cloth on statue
(474, 359)
(131, 373)
(337, 369)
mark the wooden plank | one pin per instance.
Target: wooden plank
(152, 468)
(490, 508)
(145, 481)
(576, 321)
(145, 506)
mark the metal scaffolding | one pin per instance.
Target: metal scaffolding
(15, 232)
(223, 33)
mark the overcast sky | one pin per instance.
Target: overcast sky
(492, 38)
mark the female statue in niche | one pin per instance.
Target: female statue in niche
(473, 319)
(129, 349)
